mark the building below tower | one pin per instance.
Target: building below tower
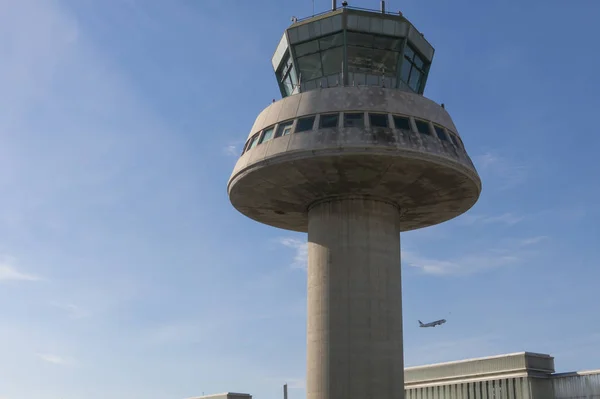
(226, 395)
(523, 375)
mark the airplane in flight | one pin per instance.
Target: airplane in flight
(433, 323)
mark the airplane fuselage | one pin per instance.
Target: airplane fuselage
(432, 324)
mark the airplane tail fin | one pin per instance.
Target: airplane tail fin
(420, 323)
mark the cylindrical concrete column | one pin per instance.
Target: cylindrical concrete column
(354, 326)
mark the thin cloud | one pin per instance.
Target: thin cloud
(469, 264)
(54, 359)
(508, 172)
(10, 273)
(231, 150)
(300, 251)
(533, 240)
(505, 218)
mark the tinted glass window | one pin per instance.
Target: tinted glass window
(402, 123)
(360, 39)
(253, 142)
(310, 66)
(413, 69)
(267, 135)
(409, 53)
(387, 43)
(331, 41)
(440, 133)
(328, 121)
(415, 79)
(331, 60)
(385, 61)
(453, 139)
(378, 120)
(422, 127)
(418, 61)
(307, 48)
(305, 124)
(286, 74)
(284, 129)
(406, 65)
(354, 120)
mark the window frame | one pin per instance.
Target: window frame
(441, 132)
(283, 127)
(337, 120)
(453, 138)
(407, 118)
(252, 140)
(426, 123)
(378, 114)
(312, 125)
(264, 131)
(413, 66)
(362, 119)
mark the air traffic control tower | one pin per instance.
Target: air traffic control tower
(353, 154)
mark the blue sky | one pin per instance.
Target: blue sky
(124, 270)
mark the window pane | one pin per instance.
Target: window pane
(310, 67)
(328, 121)
(440, 133)
(253, 141)
(331, 41)
(418, 61)
(387, 43)
(385, 61)
(284, 129)
(408, 52)
(378, 120)
(354, 120)
(405, 70)
(332, 60)
(267, 135)
(422, 127)
(359, 39)
(293, 77)
(287, 85)
(307, 48)
(402, 123)
(415, 79)
(305, 124)
(359, 59)
(453, 139)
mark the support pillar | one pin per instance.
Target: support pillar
(354, 326)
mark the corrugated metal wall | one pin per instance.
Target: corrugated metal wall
(576, 386)
(585, 386)
(511, 388)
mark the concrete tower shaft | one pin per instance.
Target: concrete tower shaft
(354, 328)
(353, 154)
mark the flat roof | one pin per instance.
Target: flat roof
(475, 359)
(483, 368)
(222, 394)
(572, 373)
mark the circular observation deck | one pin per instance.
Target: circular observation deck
(371, 142)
